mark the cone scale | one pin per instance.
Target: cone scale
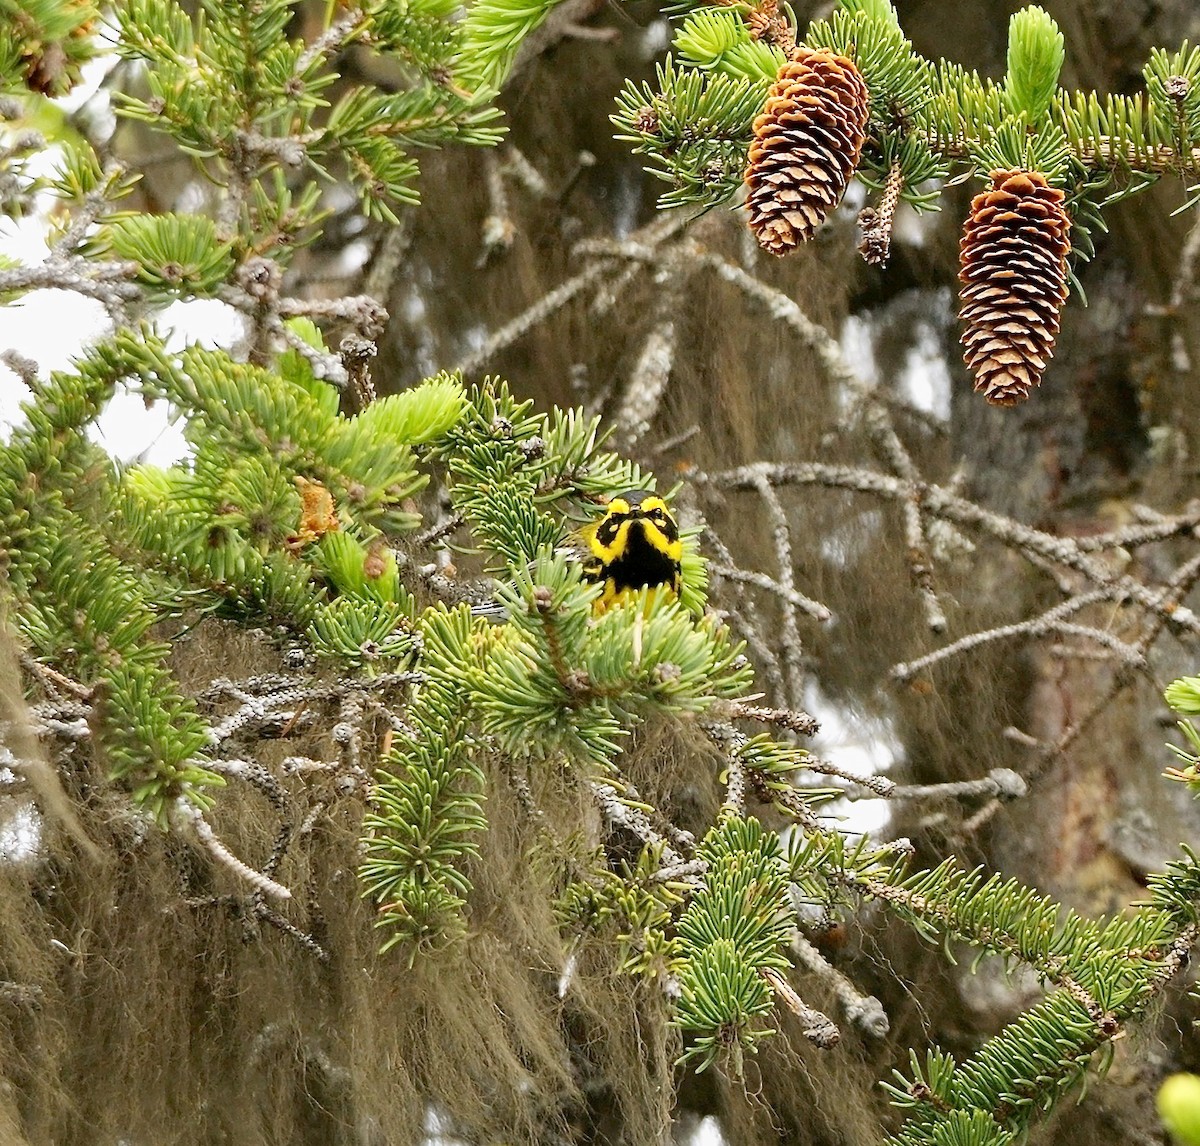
(1013, 270)
(807, 144)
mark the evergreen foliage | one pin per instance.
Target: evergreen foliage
(44, 43)
(931, 121)
(292, 512)
(736, 927)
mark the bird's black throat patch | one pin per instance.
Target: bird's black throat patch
(641, 565)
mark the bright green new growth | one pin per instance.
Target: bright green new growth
(1173, 85)
(1035, 59)
(1183, 695)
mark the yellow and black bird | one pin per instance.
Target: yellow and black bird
(635, 545)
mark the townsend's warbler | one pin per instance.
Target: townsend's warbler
(635, 545)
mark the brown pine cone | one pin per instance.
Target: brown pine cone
(807, 143)
(1013, 267)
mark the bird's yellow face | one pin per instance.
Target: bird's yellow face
(636, 545)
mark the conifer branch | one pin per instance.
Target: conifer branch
(819, 1029)
(940, 503)
(189, 816)
(862, 1011)
(793, 652)
(793, 122)
(285, 515)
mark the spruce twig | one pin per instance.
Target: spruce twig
(187, 815)
(862, 1011)
(819, 1029)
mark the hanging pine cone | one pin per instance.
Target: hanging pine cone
(806, 147)
(1013, 259)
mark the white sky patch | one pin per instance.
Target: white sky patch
(24, 239)
(131, 431)
(860, 743)
(12, 393)
(437, 1129)
(858, 349)
(708, 1133)
(91, 76)
(925, 378)
(49, 327)
(20, 833)
(855, 198)
(206, 321)
(53, 327)
(846, 544)
(656, 37)
(192, 199)
(913, 227)
(567, 976)
(352, 257)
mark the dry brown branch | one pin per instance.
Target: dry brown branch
(793, 720)
(1002, 782)
(878, 786)
(1051, 621)
(554, 300)
(814, 609)
(875, 411)
(643, 392)
(747, 622)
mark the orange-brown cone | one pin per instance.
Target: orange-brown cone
(1013, 267)
(807, 143)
